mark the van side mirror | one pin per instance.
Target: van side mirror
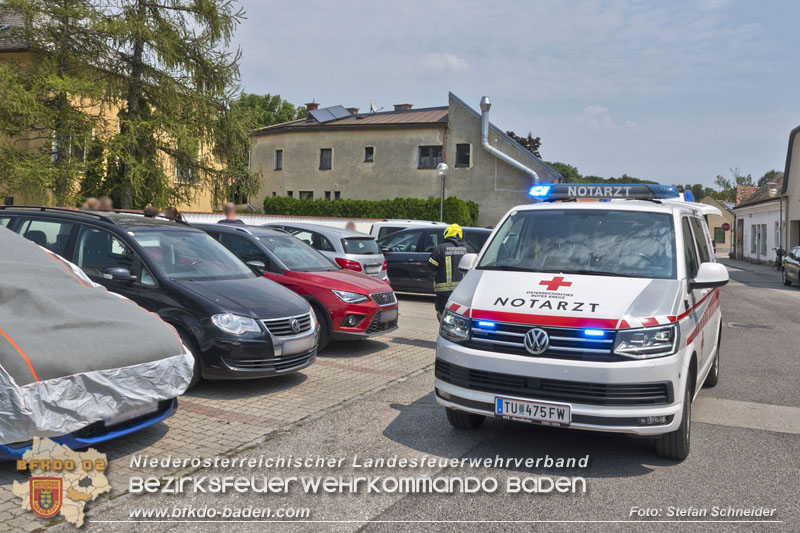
(709, 276)
(118, 274)
(258, 266)
(467, 262)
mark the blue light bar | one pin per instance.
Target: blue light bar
(486, 324)
(603, 191)
(594, 333)
(688, 196)
(539, 191)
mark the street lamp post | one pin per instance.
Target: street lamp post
(442, 169)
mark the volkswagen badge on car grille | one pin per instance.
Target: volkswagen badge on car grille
(295, 325)
(536, 341)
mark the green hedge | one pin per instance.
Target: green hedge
(455, 210)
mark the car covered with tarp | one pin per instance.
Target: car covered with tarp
(78, 364)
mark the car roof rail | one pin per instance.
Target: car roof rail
(141, 214)
(45, 209)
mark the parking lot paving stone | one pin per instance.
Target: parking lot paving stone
(219, 418)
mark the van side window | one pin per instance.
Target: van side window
(689, 253)
(700, 239)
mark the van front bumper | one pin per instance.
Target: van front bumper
(603, 396)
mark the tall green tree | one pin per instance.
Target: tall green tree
(268, 109)
(44, 125)
(767, 177)
(176, 79)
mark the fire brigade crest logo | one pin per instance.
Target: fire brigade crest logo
(46, 495)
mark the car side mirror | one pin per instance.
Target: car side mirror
(259, 266)
(709, 276)
(467, 262)
(118, 274)
(385, 250)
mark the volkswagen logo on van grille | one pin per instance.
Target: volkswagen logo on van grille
(536, 341)
(295, 325)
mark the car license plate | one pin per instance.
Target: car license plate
(546, 413)
(133, 413)
(388, 316)
(373, 269)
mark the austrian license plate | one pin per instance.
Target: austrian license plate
(373, 269)
(546, 413)
(388, 316)
(133, 413)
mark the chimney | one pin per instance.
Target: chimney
(403, 107)
(352, 110)
(311, 106)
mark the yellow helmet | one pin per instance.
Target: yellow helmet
(452, 230)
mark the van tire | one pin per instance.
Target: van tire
(675, 445)
(713, 375)
(191, 345)
(463, 420)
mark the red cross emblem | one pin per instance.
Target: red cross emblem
(555, 283)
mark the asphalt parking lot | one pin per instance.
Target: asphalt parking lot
(374, 399)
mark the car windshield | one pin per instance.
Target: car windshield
(585, 241)
(295, 254)
(191, 256)
(360, 246)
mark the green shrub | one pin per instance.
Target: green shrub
(455, 210)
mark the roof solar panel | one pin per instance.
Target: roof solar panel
(326, 114)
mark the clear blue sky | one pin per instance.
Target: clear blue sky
(677, 92)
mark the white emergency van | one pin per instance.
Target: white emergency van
(600, 315)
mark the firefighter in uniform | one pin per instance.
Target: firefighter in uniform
(444, 261)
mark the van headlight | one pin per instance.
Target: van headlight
(235, 324)
(647, 343)
(454, 327)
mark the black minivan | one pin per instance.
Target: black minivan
(237, 324)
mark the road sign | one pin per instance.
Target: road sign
(726, 226)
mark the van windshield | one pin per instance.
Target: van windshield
(585, 241)
(191, 256)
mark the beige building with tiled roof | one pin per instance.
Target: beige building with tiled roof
(375, 156)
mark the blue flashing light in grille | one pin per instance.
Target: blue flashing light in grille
(594, 333)
(485, 324)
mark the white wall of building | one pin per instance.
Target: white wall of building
(761, 232)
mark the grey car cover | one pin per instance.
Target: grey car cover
(72, 353)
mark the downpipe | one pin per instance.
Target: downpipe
(486, 105)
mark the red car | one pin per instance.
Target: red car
(349, 305)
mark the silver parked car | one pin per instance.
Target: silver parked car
(349, 249)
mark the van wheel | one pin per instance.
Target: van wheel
(463, 420)
(324, 326)
(785, 278)
(675, 445)
(713, 375)
(189, 342)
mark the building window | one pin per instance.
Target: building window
(9, 200)
(462, 155)
(274, 193)
(290, 194)
(327, 195)
(369, 154)
(325, 158)
(306, 195)
(278, 159)
(337, 195)
(429, 156)
(719, 236)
